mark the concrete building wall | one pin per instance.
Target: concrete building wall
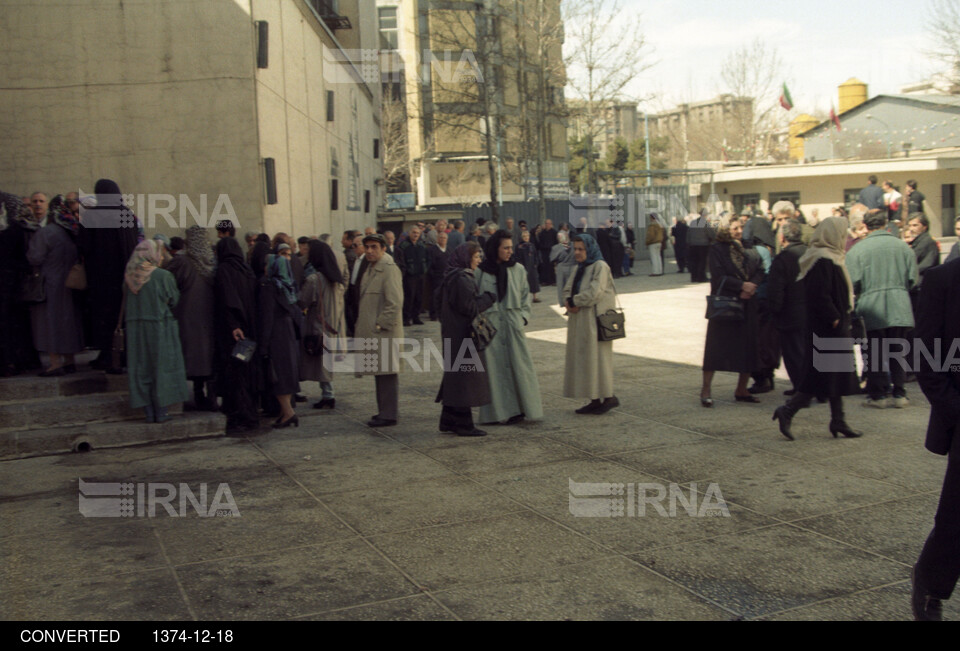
(158, 96)
(309, 150)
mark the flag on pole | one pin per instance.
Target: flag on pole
(835, 118)
(785, 100)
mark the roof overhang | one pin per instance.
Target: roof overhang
(838, 168)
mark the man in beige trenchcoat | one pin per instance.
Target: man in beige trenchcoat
(380, 321)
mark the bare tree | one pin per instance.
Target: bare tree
(944, 27)
(466, 106)
(607, 52)
(394, 143)
(755, 72)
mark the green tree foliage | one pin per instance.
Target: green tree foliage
(658, 154)
(617, 154)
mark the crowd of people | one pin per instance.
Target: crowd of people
(247, 324)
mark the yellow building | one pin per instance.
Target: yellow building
(481, 87)
(257, 108)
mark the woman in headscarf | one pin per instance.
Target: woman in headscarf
(17, 353)
(528, 255)
(465, 383)
(562, 256)
(768, 337)
(829, 294)
(589, 363)
(258, 256)
(108, 235)
(57, 321)
(155, 370)
(514, 389)
(235, 319)
(279, 331)
(322, 296)
(732, 345)
(194, 272)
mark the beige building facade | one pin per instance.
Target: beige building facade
(256, 109)
(472, 79)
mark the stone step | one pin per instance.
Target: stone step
(18, 444)
(31, 387)
(74, 410)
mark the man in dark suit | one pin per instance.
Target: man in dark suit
(786, 300)
(938, 568)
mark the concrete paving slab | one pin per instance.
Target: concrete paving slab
(881, 604)
(761, 571)
(290, 583)
(421, 608)
(611, 589)
(482, 550)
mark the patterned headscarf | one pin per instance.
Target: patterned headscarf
(737, 254)
(278, 271)
(59, 214)
(593, 255)
(145, 259)
(200, 252)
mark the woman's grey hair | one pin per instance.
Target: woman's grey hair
(784, 208)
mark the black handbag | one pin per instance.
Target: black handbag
(610, 325)
(243, 350)
(32, 290)
(724, 308)
(482, 331)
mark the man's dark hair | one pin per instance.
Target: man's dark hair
(912, 184)
(875, 219)
(873, 179)
(920, 217)
(303, 240)
(177, 243)
(263, 237)
(226, 226)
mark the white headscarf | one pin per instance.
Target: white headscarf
(828, 243)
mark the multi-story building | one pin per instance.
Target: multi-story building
(258, 108)
(474, 101)
(715, 129)
(619, 120)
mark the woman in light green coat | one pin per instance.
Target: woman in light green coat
(155, 368)
(514, 387)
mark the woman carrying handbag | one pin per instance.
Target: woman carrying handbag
(322, 296)
(589, 294)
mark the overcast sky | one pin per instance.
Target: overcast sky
(822, 43)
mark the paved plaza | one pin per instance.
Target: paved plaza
(340, 521)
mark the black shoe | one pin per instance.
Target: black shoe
(766, 386)
(513, 420)
(300, 398)
(925, 608)
(841, 427)
(115, 371)
(751, 399)
(607, 405)
(417, 321)
(706, 402)
(376, 421)
(325, 403)
(589, 409)
(57, 372)
(783, 414)
(790, 392)
(293, 420)
(70, 368)
(463, 431)
(407, 324)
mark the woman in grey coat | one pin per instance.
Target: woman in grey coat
(57, 322)
(194, 271)
(322, 296)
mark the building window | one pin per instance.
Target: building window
(741, 201)
(334, 203)
(388, 28)
(366, 201)
(329, 106)
(851, 197)
(376, 148)
(792, 197)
